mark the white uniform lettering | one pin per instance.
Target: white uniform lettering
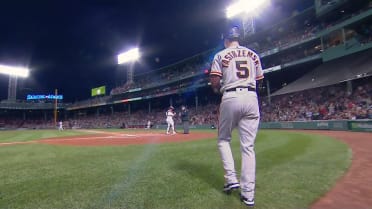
(238, 66)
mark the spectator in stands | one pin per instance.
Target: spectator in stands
(370, 113)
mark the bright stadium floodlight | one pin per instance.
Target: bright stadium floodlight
(129, 56)
(15, 71)
(244, 6)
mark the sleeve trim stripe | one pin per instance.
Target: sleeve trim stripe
(216, 73)
(259, 77)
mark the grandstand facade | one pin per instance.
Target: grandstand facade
(320, 49)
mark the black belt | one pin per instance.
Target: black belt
(241, 87)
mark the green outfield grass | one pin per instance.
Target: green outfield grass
(293, 170)
(29, 135)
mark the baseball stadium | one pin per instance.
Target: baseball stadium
(111, 150)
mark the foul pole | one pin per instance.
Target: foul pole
(55, 107)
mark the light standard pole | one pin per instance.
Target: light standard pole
(129, 56)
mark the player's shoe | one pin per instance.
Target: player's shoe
(246, 201)
(228, 188)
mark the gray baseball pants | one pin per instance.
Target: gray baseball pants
(239, 109)
(185, 127)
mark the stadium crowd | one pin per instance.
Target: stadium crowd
(324, 103)
(290, 33)
(162, 77)
(285, 36)
(92, 101)
(16, 123)
(203, 115)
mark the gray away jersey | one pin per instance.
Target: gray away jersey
(238, 67)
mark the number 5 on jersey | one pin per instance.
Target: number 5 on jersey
(242, 69)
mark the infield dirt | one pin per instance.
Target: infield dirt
(354, 189)
(122, 139)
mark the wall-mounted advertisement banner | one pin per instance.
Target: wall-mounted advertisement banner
(45, 97)
(99, 91)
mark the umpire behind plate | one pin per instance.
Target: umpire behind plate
(185, 119)
(238, 68)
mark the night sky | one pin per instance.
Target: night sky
(71, 45)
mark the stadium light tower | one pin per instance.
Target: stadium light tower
(14, 73)
(131, 55)
(246, 8)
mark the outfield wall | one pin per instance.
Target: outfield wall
(340, 125)
(179, 127)
(335, 125)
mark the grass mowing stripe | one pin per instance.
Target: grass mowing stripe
(122, 188)
(176, 175)
(277, 155)
(29, 135)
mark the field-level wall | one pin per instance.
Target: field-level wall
(340, 125)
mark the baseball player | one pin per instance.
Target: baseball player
(148, 126)
(60, 126)
(234, 73)
(170, 114)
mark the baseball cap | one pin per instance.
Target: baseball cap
(231, 33)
